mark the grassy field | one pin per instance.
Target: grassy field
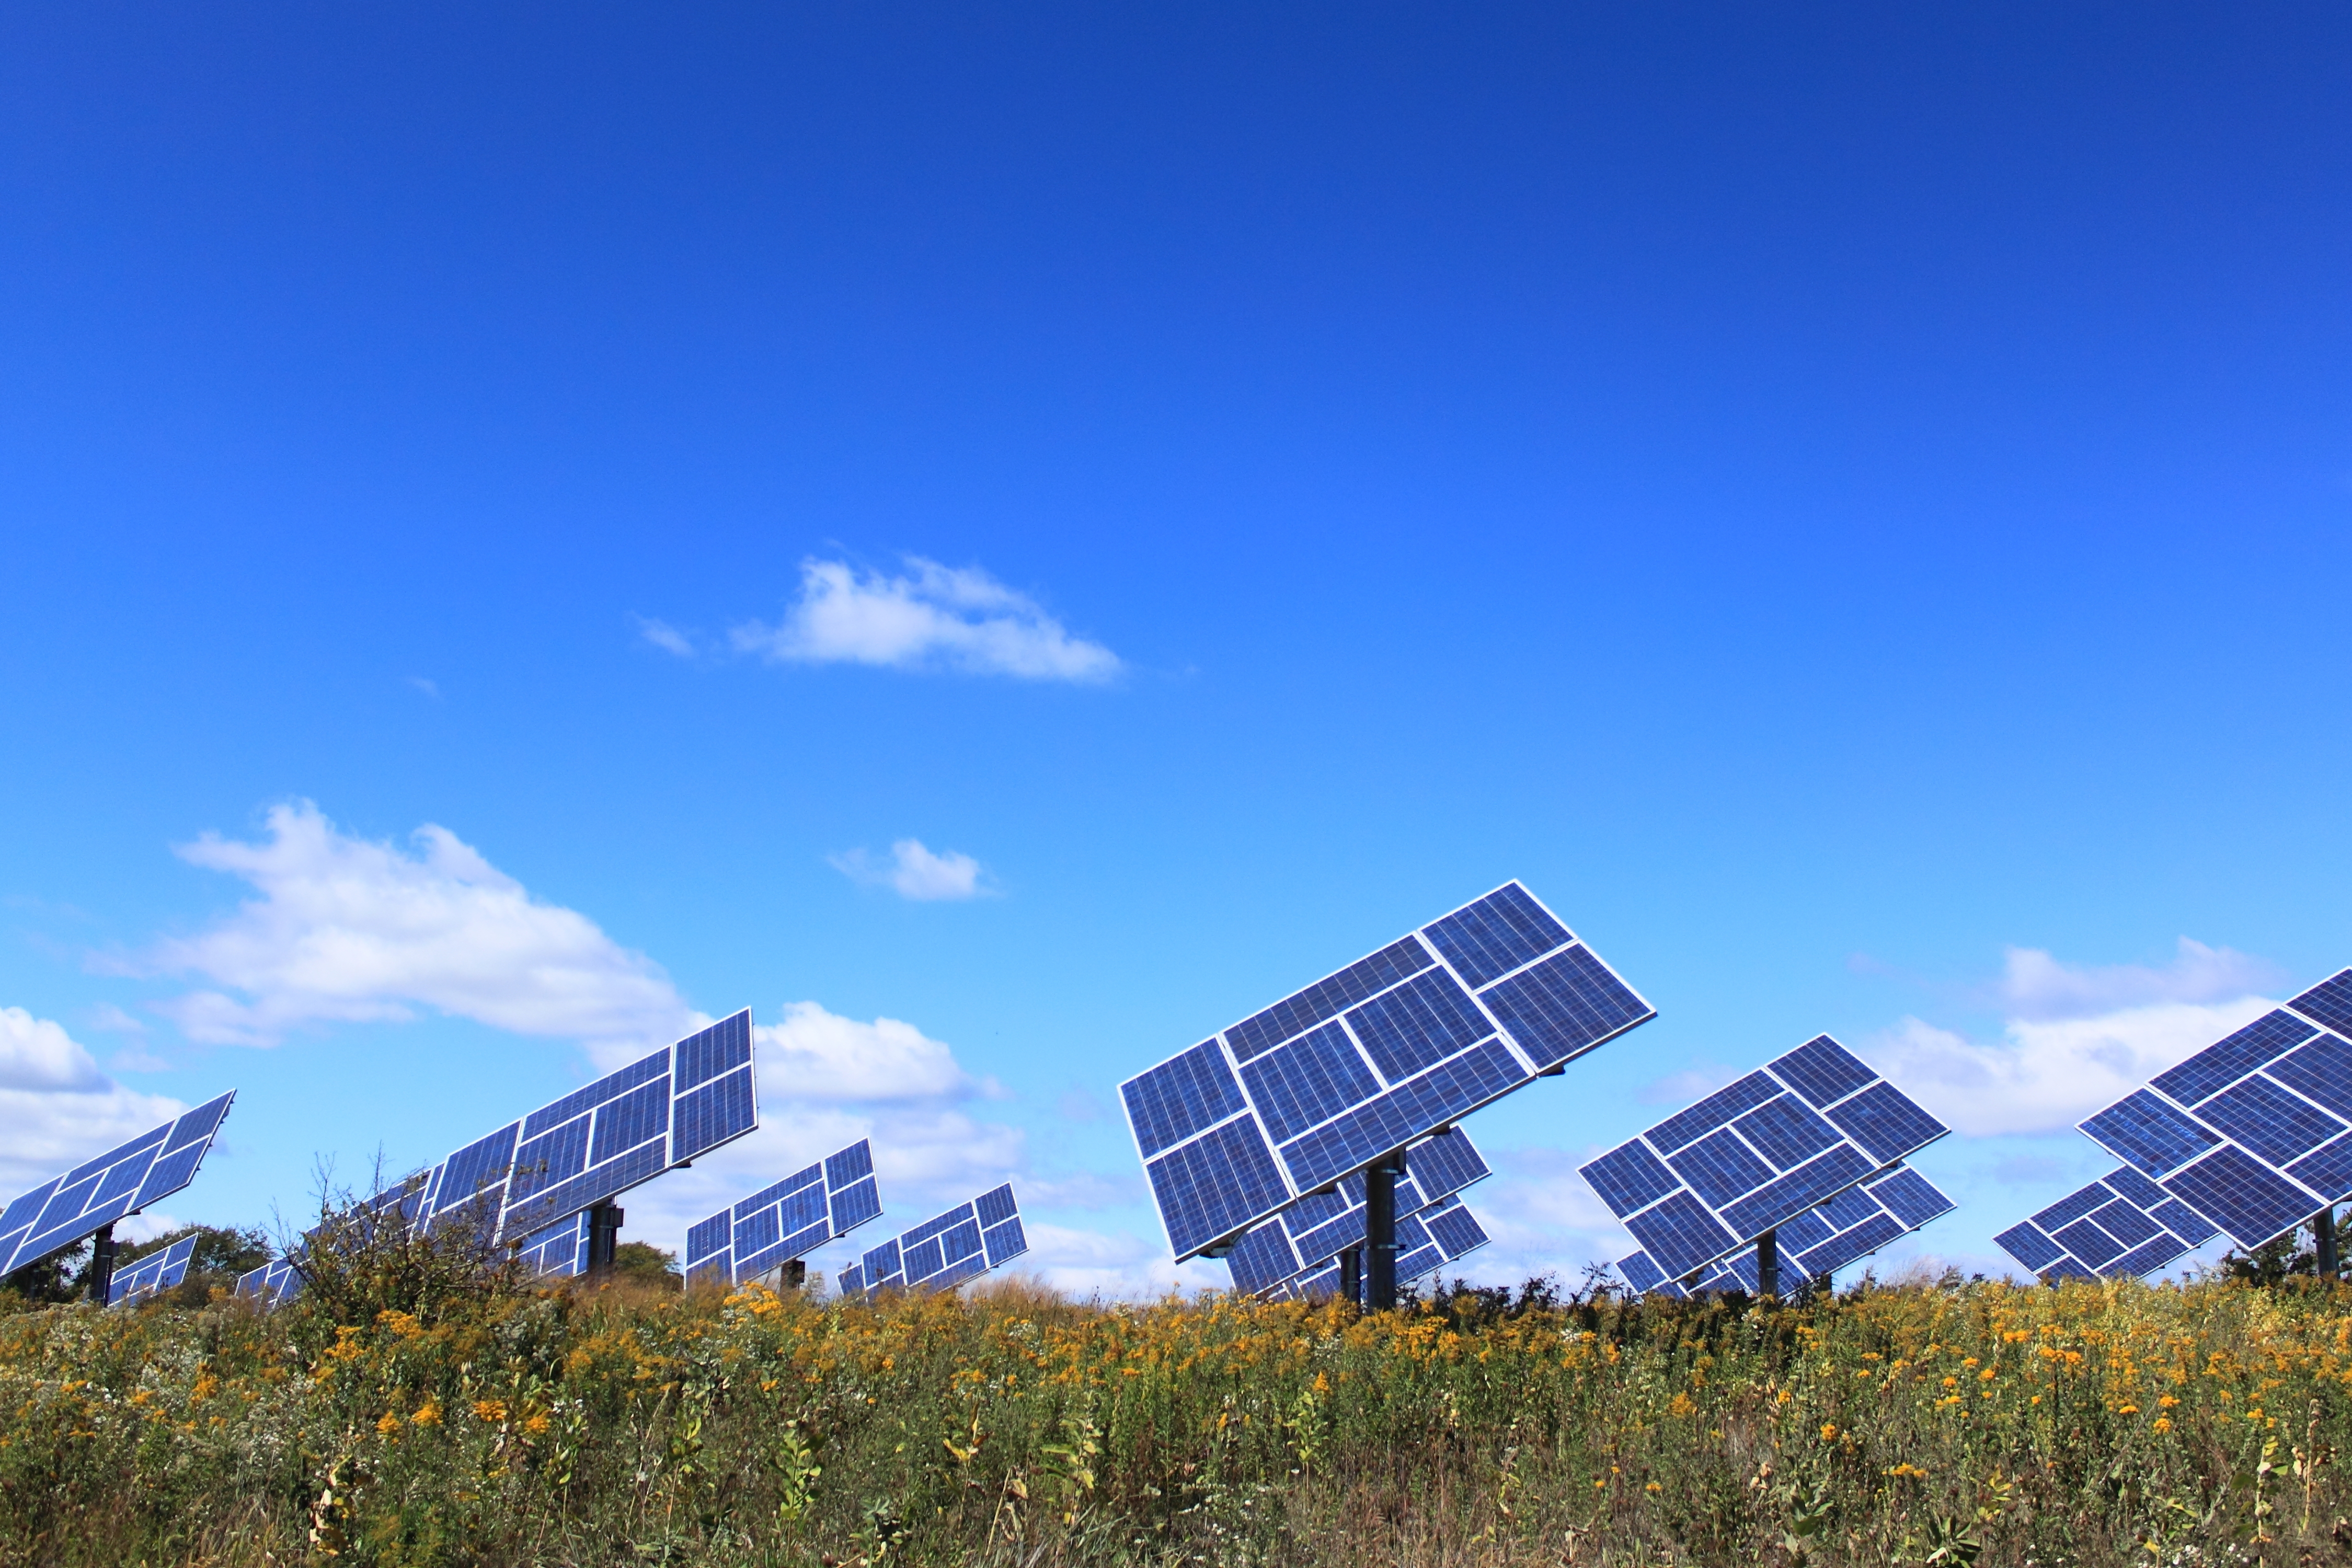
(504, 1424)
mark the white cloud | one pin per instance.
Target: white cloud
(817, 1056)
(664, 636)
(916, 873)
(58, 1107)
(937, 617)
(429, 688)
(2047, 1074)
(348, 930)
(2034, 985)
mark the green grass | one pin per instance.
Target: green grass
(502, 1424)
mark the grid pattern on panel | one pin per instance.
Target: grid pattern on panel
(153, 1274)
(1820, 1241)
(1387, 1051)
(945, 1251)
(2251, 1132)
(2109, 1227)
(1760, 1152)
(69, 1208)
(1310, 1232)
(593, 1143)
(786, 1220)
(1426, 1241)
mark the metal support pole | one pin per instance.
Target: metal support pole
(796, 1274)
(1767, 1264)
(604, 1238)
(2322, 1228)
(102, 1264)
(1380, 1231)
(1351, 1276)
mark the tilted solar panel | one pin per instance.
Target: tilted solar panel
(273, 1284)
(1284, 1103)
(1441, 1234)
(962, 1244)
(527, 1184)
(1756, 1155)
(787, 1220)
(1820, 1241)
(2253, 1132)
(69, 1208)
(2122, 1226)
(153, 1274)
(1317, 1228)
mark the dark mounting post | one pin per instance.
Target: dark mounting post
(796, 1274)
(604, 1238)
(2322, 1230)
(1351, 1276)
(102, 1264)
(1380, 1231)
(1767, 1264)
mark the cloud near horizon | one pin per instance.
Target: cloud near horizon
(59, 1107)
(934, 618)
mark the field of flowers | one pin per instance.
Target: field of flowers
(1971, 1423)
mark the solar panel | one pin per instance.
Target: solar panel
(1319, 1227)
(2253, 1132)
(69, 1208)
(1427, 1242)
(153, 1274)
(528, 1182)
(1439, 1022)
(1756, 1154)
(1821, 1240)
(962, 1244)
(788, 1220)
(272, 1285)
(2122, 1226)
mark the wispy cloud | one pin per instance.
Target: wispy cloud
(350, 930)
(916, 873)
(431, 688)
(664, 636)
(933, 617)
(2034, 985)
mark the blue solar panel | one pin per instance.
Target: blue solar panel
(1438, 1235)
(524, 1181)
(2075, 1204)
(1369, 1059)
(1822, 1071)
(1680, 1235)
(1819, 1241)
(1756, 1155)
(2130, 1185)
(2029, 1247)
(2326, 1172)
(2109, 1228)
(2330, 1002)
(2321, 1072)
(1309, 1233)
(2277, 1126)
(2145, 1132)
(69, 1208)
(944, 1251)
(787, 1221)
(151, 1275)
(2185, 1222)
(2227, 1060)
(2245, 1197)
(272, 1285)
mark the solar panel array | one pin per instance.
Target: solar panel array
(2120, 1227)
(1754, 1155)
(962, 1244)
(272, 1284)
(788, 1220)
(1365, 1060)
(2254, 1132)
(1318, 1228)
(1820, 1241)
(1427, 1242)
(532, 1177)
(151, 1275)
(67, 1209)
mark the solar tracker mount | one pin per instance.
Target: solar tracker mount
(83, 1203)
(1338, 1077)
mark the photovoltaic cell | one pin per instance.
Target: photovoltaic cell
(69, 1208)
(2249, 1133)
(1309, 1081)
(1181, 1097)
(1426, 1241)
(2120, 1227)
(273, 1284)
(1307, 1234)
(1759, 1153)
(1421, 1022)
(1497, 934)
(944, 1251)
(785, 1220)
(153, 1274)
(1570, 1003)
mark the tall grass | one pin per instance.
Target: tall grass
(2093, 1425)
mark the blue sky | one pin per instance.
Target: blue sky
(1840, 502)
